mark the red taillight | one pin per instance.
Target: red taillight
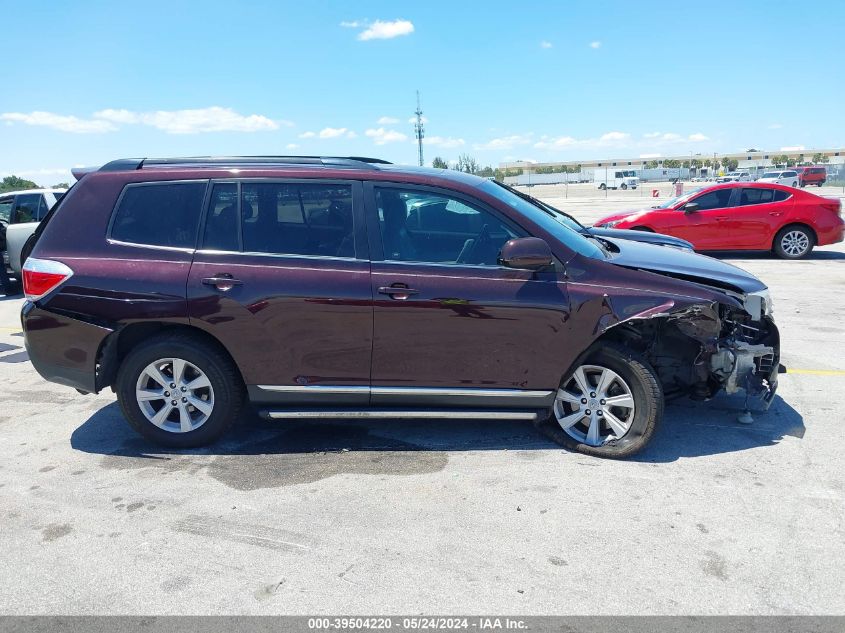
(833, 205)
(40, 276)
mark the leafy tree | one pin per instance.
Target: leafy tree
(61, 185)
(13, 183)
(820, 159)
(652, 164)
(730, 164)
(779, 160)
(671, 163)
(486, 172)
(439, 163)
(467, 164)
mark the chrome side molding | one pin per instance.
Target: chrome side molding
(389, 414)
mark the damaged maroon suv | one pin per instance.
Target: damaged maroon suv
(352, 288)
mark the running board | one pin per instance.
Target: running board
(390, 414)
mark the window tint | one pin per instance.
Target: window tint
(163, 214)
(717, 199)
(780, 195)
(297, 219)
(26, 208)
(6, 210)
(43, 207)
(428, 227)
(221, 222)
(756, 196)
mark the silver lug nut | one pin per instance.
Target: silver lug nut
(587, 412)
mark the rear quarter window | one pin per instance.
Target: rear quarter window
(159, 214)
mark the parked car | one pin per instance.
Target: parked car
(814, 175)
(20, 213)
(735, 176)
(788, 177)
(620, 234)
(742, 216)
(310, 288)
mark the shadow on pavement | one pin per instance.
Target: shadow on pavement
(690, 429)
(816, 255)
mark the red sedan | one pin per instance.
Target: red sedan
(743, 216)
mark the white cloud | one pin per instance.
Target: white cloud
(504, 142)
(698, 137)
(387, 120)
(660, 138)
(63, 123)
(595, 44)
(308, 135)
(381, 136)
(775, 126)
(352, 24)
(446, 142)
(545, 44)
(332, 132)
(413, 119)
(793, 148)
(650, 155)
(556, 143)
(291, 146)
(651, 134)
(614, 136)
(193, 121)
(351, 134)
(385, 30)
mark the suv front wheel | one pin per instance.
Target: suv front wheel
(609, 406)
(178, 391)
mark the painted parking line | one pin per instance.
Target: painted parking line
(817, 372)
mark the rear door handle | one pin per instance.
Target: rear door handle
(222, 282)
(398, 292)
(776, 213)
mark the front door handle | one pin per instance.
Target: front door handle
(223, 282)
(776, 213)
(398, 291)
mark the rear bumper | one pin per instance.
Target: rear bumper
(832, 235)
(62, 349)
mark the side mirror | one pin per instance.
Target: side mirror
(690, 207)
(528, 253)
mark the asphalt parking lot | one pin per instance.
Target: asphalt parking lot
(439, 517)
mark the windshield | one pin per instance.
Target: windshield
(554, 223)
(567, 219)
(771, 174)
(671, 202)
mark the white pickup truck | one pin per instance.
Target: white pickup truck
(20, 214)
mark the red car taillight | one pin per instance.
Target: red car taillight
(40, 276)
(833, 205)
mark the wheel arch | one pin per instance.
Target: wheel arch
(803, 225)
(117, 346)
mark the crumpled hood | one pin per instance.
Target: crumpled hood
(683, 264)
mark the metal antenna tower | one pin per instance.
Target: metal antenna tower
(419, 129)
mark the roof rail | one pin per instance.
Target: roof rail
(130, 164)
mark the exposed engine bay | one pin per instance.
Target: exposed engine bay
(701, 349)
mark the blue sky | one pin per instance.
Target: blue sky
(85, 82)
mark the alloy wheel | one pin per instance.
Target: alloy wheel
(795, 243)
(595, 406)
(174, 395)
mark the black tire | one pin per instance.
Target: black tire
(225, 381)
(821, 183)
(624, 186)
(648, 401)
(602, 186)
(777, 245)
(794, 184)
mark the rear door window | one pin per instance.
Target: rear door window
(751, 196)
(26, 208)
(6, 209)
(159, 214)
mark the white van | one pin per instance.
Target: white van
(613, 178)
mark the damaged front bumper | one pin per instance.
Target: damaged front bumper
(747, 356)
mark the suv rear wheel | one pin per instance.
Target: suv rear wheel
(610, 406)
(178, 391)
